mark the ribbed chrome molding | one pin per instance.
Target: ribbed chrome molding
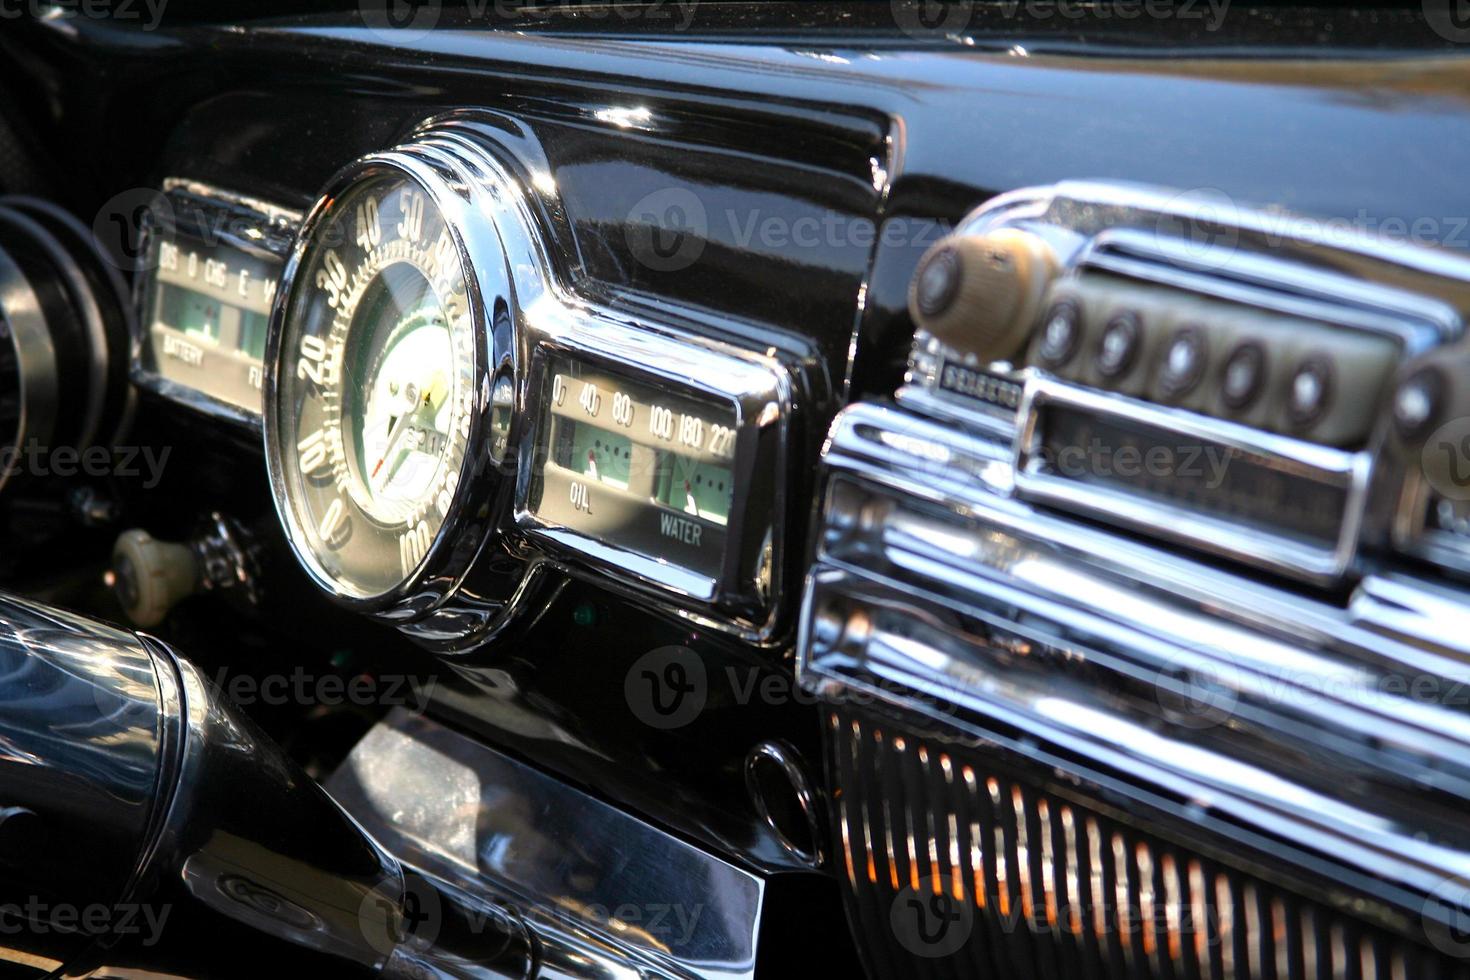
(1333, 735)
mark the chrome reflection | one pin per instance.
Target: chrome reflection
(606, 893)
(1334, 728)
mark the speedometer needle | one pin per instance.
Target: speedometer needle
(392, 438)
(429, 405)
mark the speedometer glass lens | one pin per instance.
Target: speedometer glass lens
(375, 384)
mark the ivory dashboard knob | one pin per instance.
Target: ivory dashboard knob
(1428, 393)
(1431, 417)
(980, 294)
(149, 576)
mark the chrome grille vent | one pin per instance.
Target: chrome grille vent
(957, 871)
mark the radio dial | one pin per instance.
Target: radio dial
(980, 294)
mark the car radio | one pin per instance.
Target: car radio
(1196, 371)
(1122, 406)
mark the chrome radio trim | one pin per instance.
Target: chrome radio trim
(1417, 324)
(1065, 642)
(1201, 243)
(1286, 253)
(1269, 260)
(1264, 549)
(1410, 532)
(1281, 262)
(264, 222)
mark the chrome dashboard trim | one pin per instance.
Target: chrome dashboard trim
(606, 893)
(523, 233)
(278, 215)
(466, 187)
(1266, 714)
(554, 317)
(759, 390)
(1350, 470)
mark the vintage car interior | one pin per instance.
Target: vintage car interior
(719, 489)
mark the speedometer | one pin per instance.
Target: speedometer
(378, 407)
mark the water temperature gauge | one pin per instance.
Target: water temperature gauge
(646, 468)
(663, 480)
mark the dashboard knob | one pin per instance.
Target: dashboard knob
(1427, 397)
(1422, 400)
(980, 294)
(1311, 390)
(149, 577)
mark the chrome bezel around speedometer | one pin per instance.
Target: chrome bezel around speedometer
(457, 181)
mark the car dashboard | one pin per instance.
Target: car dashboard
(735, 490)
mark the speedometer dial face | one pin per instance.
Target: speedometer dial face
(375, 385)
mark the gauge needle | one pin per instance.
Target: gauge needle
(428, 405)
(394, 433)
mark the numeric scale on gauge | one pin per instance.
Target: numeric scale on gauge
(206, 305)
(212, 304)
(638, 466)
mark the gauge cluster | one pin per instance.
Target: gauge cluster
(213, 261)
(658, 461)
(634, 464)
(431, 387)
